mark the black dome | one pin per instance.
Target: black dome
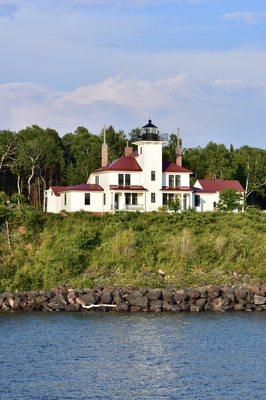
(149, 125)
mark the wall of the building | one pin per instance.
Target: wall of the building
(207, 201)
(52, 203)
(75, 201)
(184, 178)
(150, 159)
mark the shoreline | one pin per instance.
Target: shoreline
(201, 299)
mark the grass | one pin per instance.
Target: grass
(128, 249)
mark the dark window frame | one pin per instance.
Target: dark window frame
(87, 199)
(120, 179)
(127, 179)
(153, 198)
(171, 180)
(177, 180)
(153, 176)
(197, 200)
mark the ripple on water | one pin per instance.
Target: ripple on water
(133, 356)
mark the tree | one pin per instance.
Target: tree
(195, 160)
(218, 161)
(230, 200)
(251, 169)
(174, 205)
(135, 135)
(7, 147)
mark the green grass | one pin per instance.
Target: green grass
(128, 249)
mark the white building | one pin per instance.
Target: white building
(138, 181)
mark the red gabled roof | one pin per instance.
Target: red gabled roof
(58, 189)
(212, 186)
(169, 166)
(84, 187)
(123, 163)
(131, 187)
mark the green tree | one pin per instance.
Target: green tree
(230, 200)
(174, 205)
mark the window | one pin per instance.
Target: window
(171, 180)
(97, 180)
(87, 199)
(214, 205)
(131, 198)
(134, 198)
(165, 199)
(128, 198)
(127, 179)
(140, 150)
(104, 199)
(177, 180)
(197, 200)
(171, 197)
(153, 175)
(65, 199)
(152, 197)
(120, 179)
(123, 180)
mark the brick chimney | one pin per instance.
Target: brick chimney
(128, 151)
(179, 150)
(105, 158)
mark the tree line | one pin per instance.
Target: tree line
(35, 158)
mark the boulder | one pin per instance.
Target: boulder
(106, 297)
(180, 296)
(259, 300)
(57, 303)
(122, 307)
(193, 294)
(240, 294)
(213, 292)
(156, 305)
(167, 295)
(136, 299)
(88, 298)
(154, 294)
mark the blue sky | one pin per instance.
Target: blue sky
(196, 64)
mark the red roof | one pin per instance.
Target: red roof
(58, 189)
(178, 189)
(169, 166)
(131, 187)
(122, 164)
(212, 186)
(84, 187)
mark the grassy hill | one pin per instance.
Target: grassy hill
(126, 249)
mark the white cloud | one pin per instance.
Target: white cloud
(248, 17)
(218, 110)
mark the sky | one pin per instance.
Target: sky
(195, 64)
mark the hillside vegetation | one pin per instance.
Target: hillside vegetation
(43, 251)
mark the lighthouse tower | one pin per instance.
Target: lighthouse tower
(150, 160)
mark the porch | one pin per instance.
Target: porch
(128, 199)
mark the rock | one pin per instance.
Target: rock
(73, 307)
(167, 306)
(136, 299)
(180, 296)
(213, 292)
(88, 298)
(240, 294)
(259, 300)
(193, 294)
(167, 295)
(238, 307)
(200, 303)
(40, 299)
(154, 294)
(117, 297)
(106, 297)
(194, 308)
(122, 307)
(156, 305)
(57, 303)
(71, 297)
(135, 309)
(161, 273)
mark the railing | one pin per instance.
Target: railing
(133, 207)
(128, 207)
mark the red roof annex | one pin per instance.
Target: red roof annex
(172, 167)
(212, 186)
(83, 187)
(121, 164)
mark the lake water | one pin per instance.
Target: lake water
(133, 356)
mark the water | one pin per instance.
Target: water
(138, 356)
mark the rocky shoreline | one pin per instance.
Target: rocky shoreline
(209, 298)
